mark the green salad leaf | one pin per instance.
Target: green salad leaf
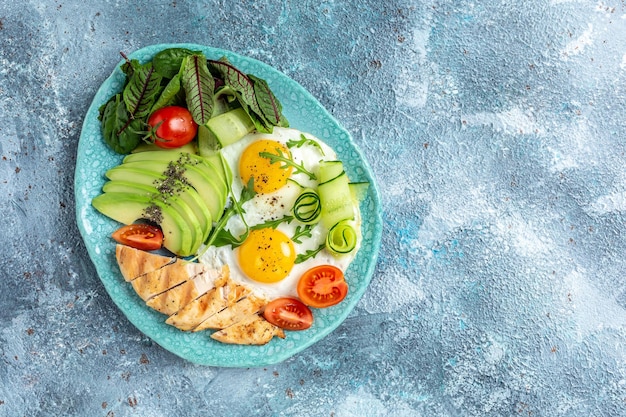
(180, 76)
(302, 231)
(168, 62)
(170, 94)
(120, 132)
(253, 94)
(141, 91)
(199, 87)
(129, 66)
(305, 141)
(236, 79)
(272, 223)
(270, 107)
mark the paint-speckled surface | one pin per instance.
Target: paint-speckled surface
(497, 135)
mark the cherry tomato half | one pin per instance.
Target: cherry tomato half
(322, 286)
(139, 236)
(288, 313)
(172, 127)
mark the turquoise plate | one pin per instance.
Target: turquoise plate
(305, 113)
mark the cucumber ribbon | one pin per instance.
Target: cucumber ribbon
(341, 238)
(307, 208)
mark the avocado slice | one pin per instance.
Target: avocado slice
(127, 208)
(210, 166)
(185, 192)
(213, 196)
(174, 201)
(220, 164)
(190, 147)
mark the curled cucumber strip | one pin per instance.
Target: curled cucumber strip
(341, 238)
(307, 208)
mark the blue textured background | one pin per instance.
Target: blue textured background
(497, 134)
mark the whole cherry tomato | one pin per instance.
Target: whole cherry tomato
(172, 127)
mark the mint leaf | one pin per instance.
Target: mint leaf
(198, 84)
(139, 94)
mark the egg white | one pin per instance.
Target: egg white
(274, 206)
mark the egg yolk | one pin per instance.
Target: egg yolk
(267, 255)
(268, 176)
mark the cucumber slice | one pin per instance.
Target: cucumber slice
(222, 130)
(207, 142)
(336, 200)
(341, 238)
(329, 170)
(307, 208)
(359, 190)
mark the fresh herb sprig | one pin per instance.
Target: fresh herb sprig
(272, 223)
(286, 162)
(220, 236)
(302, 231)
(311, 253)
(293, 143)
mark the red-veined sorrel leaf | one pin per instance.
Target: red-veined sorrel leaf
(141, 90)
(198, 84)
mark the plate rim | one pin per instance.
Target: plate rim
(82, 202)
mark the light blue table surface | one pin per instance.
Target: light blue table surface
(496, 131)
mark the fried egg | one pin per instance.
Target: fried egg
(266, 261)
